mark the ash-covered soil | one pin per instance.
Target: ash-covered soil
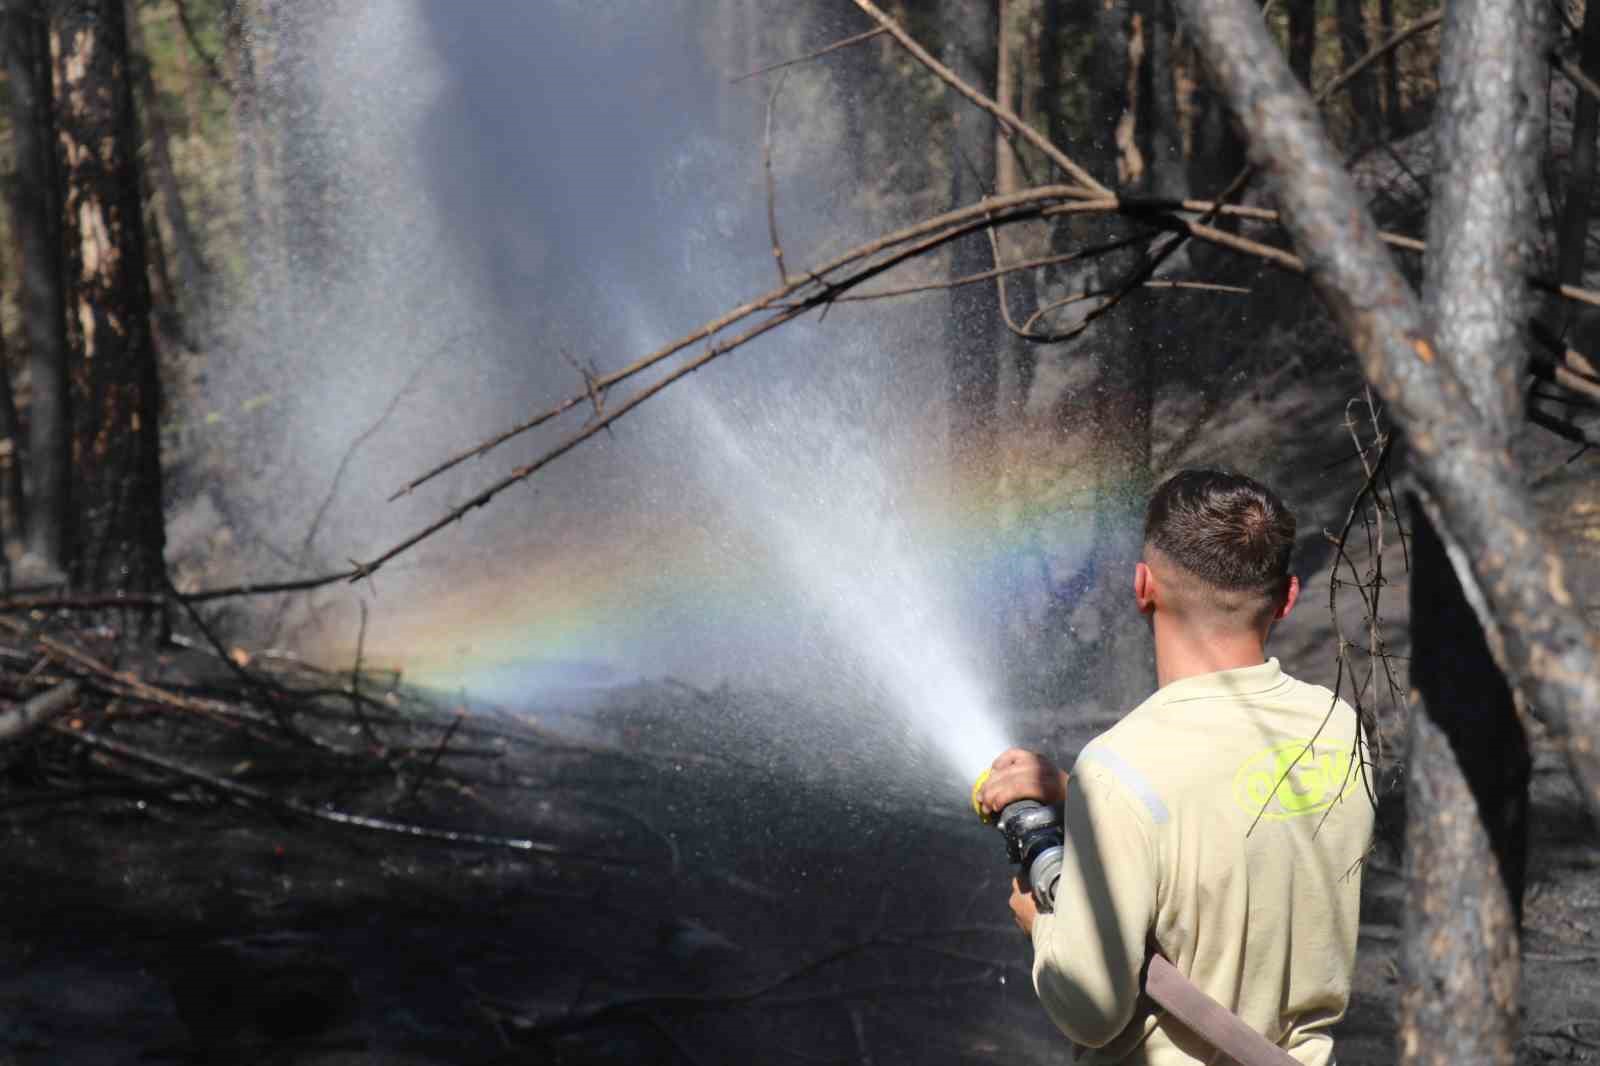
(708, 899)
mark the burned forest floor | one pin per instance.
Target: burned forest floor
(186, 886)
(214, 857)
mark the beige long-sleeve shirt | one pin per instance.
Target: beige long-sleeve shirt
(1223, 823)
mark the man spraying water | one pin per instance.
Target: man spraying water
(1216, 832)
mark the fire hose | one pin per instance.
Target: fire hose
(1036, 844)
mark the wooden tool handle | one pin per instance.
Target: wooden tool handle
(1208, 1019)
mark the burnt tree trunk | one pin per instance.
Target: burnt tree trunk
(1366, 120)
(1302, 47)
(36, 214)
(1538, 634)
(1467, 778)
(1468, 752)
(1391, 70)
(115, 388)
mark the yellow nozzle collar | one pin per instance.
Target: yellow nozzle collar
(977, 806)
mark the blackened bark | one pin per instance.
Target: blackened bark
(36, 215)
(1302, 38)
(1580, 187)
(1363, 91)
(1466, 829)
(1391, 69)
(1514, 574)
(115, 388)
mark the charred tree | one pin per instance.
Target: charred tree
(114, 384)
(1365, 116)
(1580, 185)
(1391, 70)
(1468, 752)
(1450, 378)
(36, 214)
(1302, 38)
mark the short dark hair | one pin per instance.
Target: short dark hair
(1228, 530)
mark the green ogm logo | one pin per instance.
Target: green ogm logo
(1293, 779)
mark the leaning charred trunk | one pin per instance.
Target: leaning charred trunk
(114, 386)
(1466, 834)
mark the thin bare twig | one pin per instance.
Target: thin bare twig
(1377, 52)
(818, 54)
(772, 185)
(990, 275)
(356, 445)
(207, 60)
(438, 753)
(357, 704)
(1026, 330)
(1007, 118)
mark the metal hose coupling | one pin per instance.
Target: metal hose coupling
(1034, 841)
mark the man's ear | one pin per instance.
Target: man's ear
(1144, 587)
(1290, 597)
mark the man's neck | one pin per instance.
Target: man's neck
(1181, 652)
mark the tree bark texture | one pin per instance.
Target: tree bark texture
(1367, 120)
(1511, 571)
(1488, 126)
(1580, 185)
(1469, 767)
(1466, 829)
(115, 388)
(36, 216)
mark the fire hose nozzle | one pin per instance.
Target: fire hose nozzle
(1034, 841)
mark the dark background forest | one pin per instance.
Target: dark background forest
(310, 755)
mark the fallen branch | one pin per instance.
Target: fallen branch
(19, 721)
(236, 790)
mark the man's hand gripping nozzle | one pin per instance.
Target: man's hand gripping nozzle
(1034, 841)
